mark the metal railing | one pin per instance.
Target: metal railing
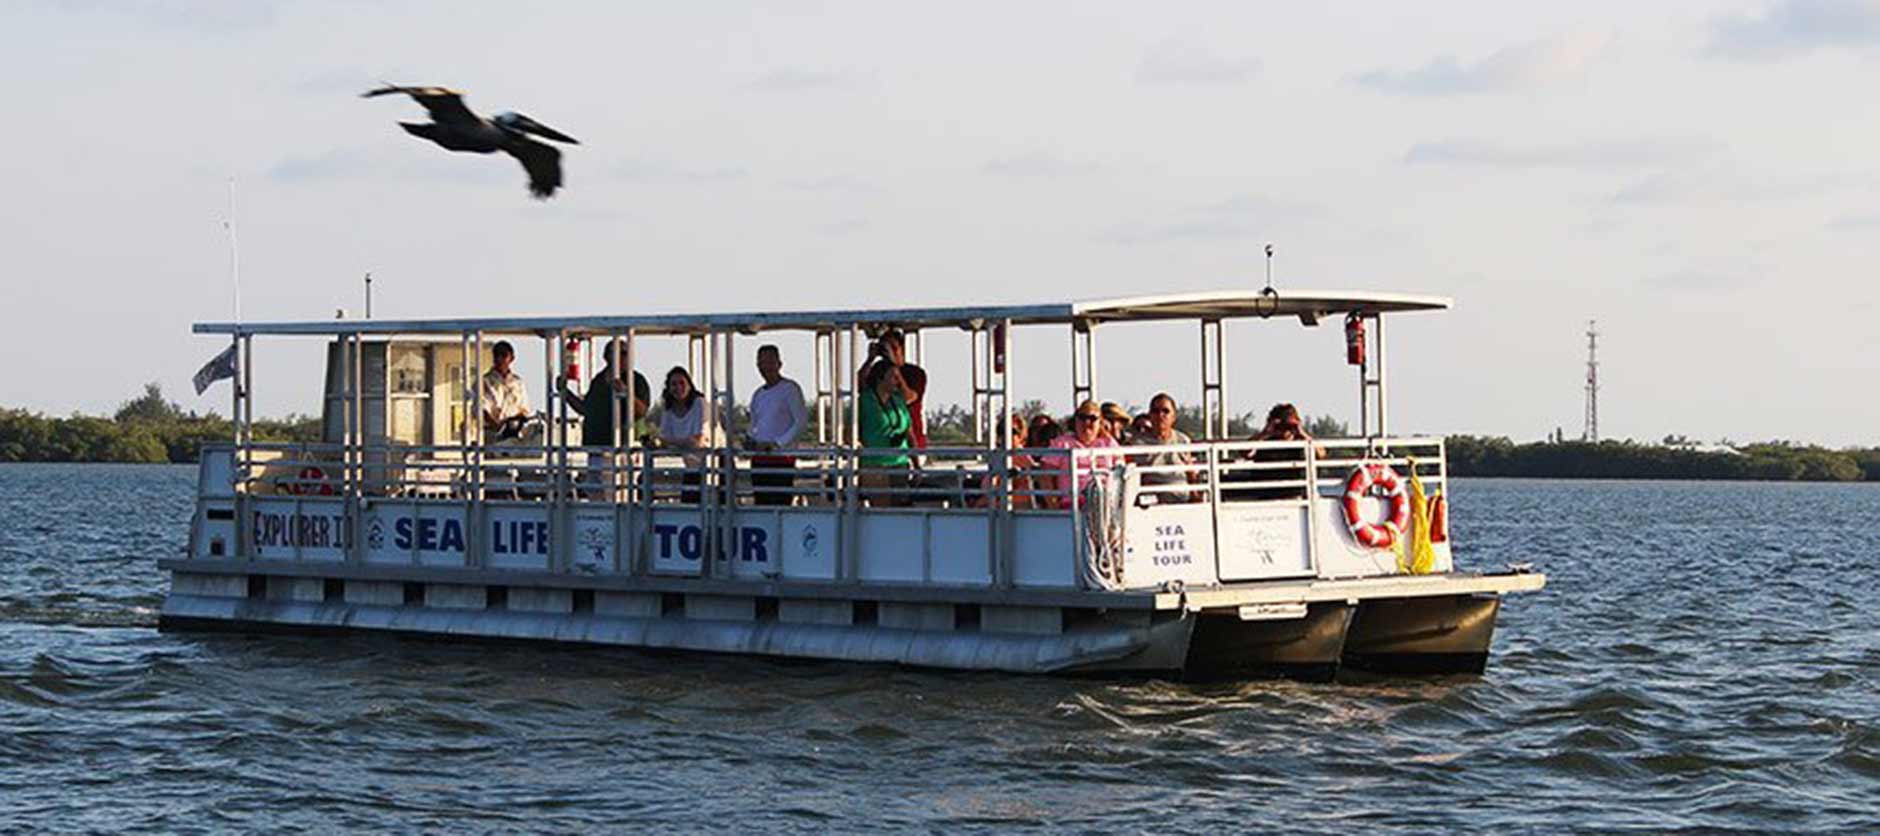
(725, 485)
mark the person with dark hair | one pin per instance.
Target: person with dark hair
(778, 416)
(1161, 432)
(602, 415)
(1282, 424)
(885, 420)
(598, 416)
(684, 426)
(1141, 430)
(1019, 468)
(1115, 422)
(891, 348)
(1044, 429)
(506, 411)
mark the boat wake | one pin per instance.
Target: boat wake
(88, 614)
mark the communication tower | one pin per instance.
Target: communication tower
(1592, 381)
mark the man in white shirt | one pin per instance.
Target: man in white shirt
(505, 397)
(778, 416)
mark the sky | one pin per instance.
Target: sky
(1697, 177)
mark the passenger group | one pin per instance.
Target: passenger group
(892, 429)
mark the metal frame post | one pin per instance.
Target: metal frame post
(1366, 382)
(1214, 418)
(355, 489)
(1083, 362)
(244, 533)
(475, 522)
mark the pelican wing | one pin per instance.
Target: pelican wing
(445, 105)
(541, 160)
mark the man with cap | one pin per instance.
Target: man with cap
(506, 412)
(1115, 421)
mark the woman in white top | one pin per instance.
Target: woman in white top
(683, 426)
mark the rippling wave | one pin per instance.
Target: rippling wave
(1703, 658)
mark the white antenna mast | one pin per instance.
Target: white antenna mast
(234, 252)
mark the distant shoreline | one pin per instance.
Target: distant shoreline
(1776, 461)
(152, 430)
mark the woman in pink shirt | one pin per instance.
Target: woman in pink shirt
(1086, 434)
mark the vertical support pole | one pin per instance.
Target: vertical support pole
(244, 549)
(1383, 389)
(1213, 399)
(1220, 367)
(1364, 394)
(707, 520)
(824, 379)
(726, 499)
(466, 479)
(851, 505)
(551, 449)
(1083, 362)
(355, 494)
(999, 343)
(637, 483)
(981, 372)
(1366, 383)
(473, 541)
(248, 389)
(1313, 504)
(854, 412)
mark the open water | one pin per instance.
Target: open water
(1704, 658)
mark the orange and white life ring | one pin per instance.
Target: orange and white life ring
(1376, 535)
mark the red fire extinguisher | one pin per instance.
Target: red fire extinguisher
(571, 358)
(1354, 339)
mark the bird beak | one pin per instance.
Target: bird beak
(547, 132)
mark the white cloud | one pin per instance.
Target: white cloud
(1581, 155)
(1698, 281)
(210, 16)
(1178, 62)
(834, 183)
(1243, 217)
(1037, 164)
(1793, 27)
(664, 172)
(1720, 185)
(798, 80)
(428, 165)
(1526, 65)
(1856, 222)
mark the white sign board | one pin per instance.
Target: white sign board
(289, 529)
(1168, 543)
(593, 538)
(518, 537)
(1260, 541)
(807, 544)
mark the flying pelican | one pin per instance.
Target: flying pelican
(453, 126)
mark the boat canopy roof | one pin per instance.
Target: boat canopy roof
(1307, 305)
